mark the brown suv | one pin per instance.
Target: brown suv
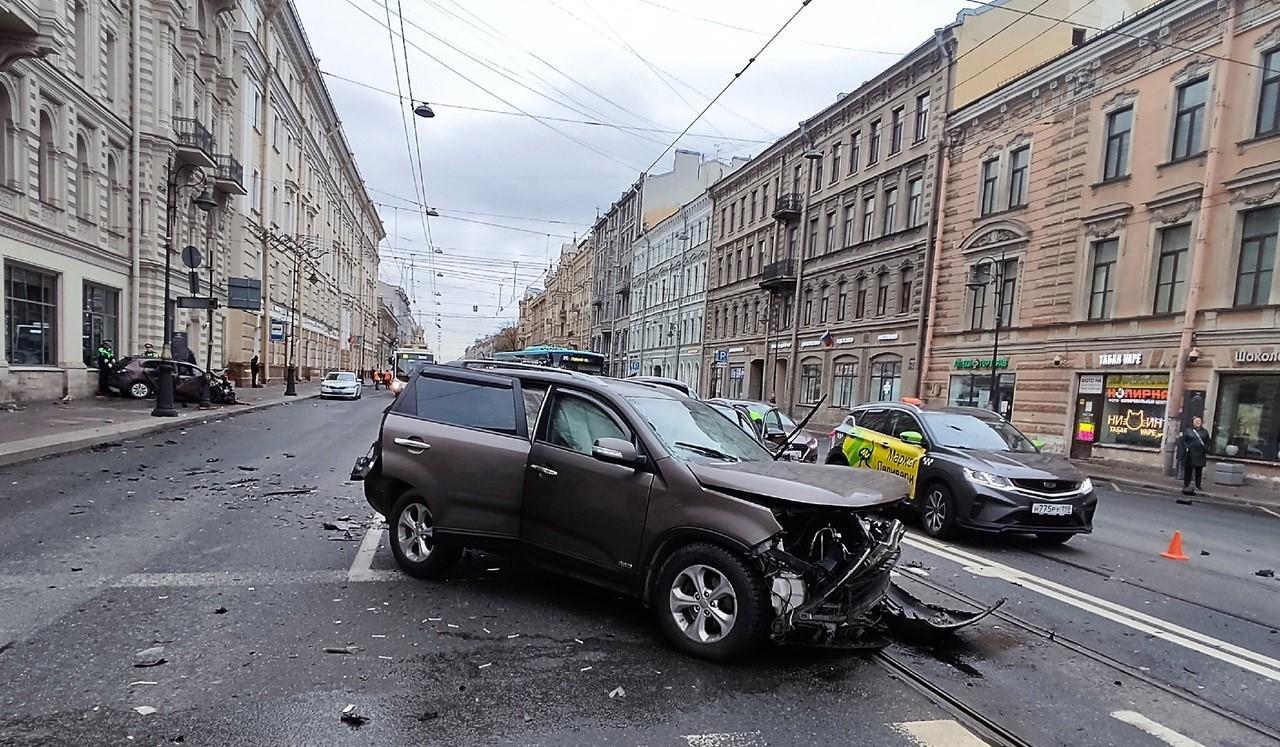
(640, 489)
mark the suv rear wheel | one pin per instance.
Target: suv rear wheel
(711, 604)
(413, 541)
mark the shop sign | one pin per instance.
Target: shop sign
(1256, 356)
(1120, 359)
(887, 337)
(737, 350)
(781, 346)
(844, 340)
(1134, 409)
(1091, 384)
(972, 363)
(810, 343)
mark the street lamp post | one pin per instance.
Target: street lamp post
(206, 399)
(990, 271)
(183, 177)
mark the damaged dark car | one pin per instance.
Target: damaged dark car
(638, 488)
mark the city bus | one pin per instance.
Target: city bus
(556, 357)
(407, 362)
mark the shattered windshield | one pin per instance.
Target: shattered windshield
(692, 430)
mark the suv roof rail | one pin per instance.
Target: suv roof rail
(513, 365)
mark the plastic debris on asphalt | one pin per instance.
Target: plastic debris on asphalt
(341, 649)
(1265, 573)
(617, 692)
(145, 710)
(149, 657)
(353, 717)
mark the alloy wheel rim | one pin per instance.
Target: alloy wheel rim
(415, 533)
(703, 603)
(139, 389)
(935, 511)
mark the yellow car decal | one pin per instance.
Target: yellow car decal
(871, 450)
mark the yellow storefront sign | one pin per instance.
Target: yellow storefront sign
(871, 450)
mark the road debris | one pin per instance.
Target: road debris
(1204, 552)
(1265, 573)
(486, 665)
(246, 468)
(149, 657)
(585, 669)
(144, 710)
(220, 611)
(353, 717)
(429, 716)
(617, 692)
(340, 526)
(342, 649)
(136, 683)
(212, 460)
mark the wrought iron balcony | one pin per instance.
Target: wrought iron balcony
(779, 276)
(788, 207)
(229, 175)
(195, 142)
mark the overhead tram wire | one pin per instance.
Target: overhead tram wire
(803, 4)
(568, 120)
(480, 222)
(455, 71)
(1027, 43)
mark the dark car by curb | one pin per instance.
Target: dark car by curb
(777, 429)
(642, 490)
(969, 469)
(139, 377)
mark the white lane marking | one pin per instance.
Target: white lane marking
(941, 733)
(1264, 508)
(1243, 658)
(361, 567)
(1155, 729)
(727, 739)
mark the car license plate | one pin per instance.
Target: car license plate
(1051, 509)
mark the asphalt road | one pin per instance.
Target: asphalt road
(211, 543)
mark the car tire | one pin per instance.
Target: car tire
(139, 390)
(837, 457)
(938, 511)
(418, 555)
(1052, 538)
(685, 622)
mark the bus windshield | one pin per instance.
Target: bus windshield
(409, 361)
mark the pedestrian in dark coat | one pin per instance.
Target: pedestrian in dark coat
(106, 357)
(1195, 450)
(254, 368)
(191, 356)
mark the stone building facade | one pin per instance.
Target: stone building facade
(1117, 210)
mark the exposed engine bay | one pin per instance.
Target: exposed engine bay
(829, 571)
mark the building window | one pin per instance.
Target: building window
(114, 195)
(974, 390)
(886, 379)
(754, 194)
(860, 299)
(868, 217)
(890, 209)
(922, 117)
(825, 305)
(990, 175)
(855, 145)
(831, 232)
(1119, 126)
(1269, 97)
(882, 293)
(835, 161)
(1257, 256)
(109, 70)
(808, 307)
(842, 300)
(810, 382)
(1103, 278)
(982, 294)
(1019, 164)
(812, 248)
(905, 290)
(1134, 409)
(795, 180)
(844, 383)
(45, 169)
(733, 323)
(817, 172)
(1247, 417)
(83, 177)
(30, 316)
(764, 201)
(915, 202)
(873, 143)
(895, 130)
(848, 224)
(101, 319)
(1189, 120)
(792, 235)
(1171, 269)
(735, 382)
(81, 31)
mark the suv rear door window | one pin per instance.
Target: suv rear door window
(465, 403)
(873, 420)
(576, 423)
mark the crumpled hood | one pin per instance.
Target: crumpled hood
(812, 484)
(1023, 465)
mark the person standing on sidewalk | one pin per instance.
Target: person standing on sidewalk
(1195, 450)
(254, 368)
(148, 351)
(106, 358)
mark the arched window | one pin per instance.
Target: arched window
(83, 175)
(886, 378)
(6, 135)
(810, 380)
(844, 382)
(44, 158)
(114, 217)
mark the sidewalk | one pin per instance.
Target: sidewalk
(1126, 476)
(32, 430)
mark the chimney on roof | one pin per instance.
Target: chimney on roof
(1077, 36)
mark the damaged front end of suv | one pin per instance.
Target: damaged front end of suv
(830, 567)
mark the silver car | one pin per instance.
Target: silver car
(341, 385)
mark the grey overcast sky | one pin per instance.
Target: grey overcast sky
(644, 64)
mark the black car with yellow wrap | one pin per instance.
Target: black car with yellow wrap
(968, 469)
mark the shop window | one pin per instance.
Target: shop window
(1269, 96)
(810, 382)
(886, 379)
(101, 307)
(1188, 122)
(844, 383)
(1103, 278)
(1247, 417)
(974, 390)
(1257, 256)
(30, 316)
(1171, 269)
(736, 374)
(1133, 409)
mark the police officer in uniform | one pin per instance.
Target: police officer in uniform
(106, 358)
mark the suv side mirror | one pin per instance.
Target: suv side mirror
(912, 437)
(616, 451)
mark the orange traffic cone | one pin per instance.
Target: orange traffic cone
(1175, 548)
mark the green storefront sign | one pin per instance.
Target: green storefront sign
(967, 364)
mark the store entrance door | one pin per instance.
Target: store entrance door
(1086, 425)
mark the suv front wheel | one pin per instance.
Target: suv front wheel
(711, 603)
(413, 540)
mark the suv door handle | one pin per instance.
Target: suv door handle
(412, 444)
(884, 444)
(543, 470)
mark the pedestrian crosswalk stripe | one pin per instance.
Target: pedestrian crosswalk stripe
(940, 733)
